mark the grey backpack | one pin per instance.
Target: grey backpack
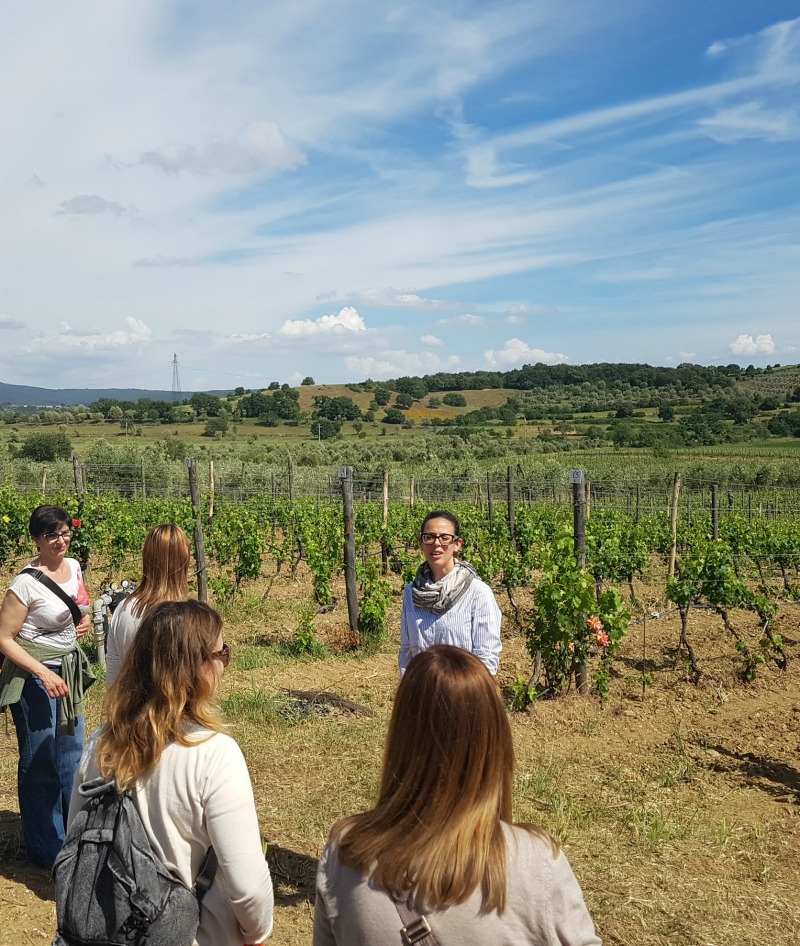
(111, 889)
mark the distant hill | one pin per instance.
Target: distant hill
(22, 395)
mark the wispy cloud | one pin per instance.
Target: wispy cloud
(6, 322)
(137, 333)
(260, 147)
(431, 340)
(391, 299)
(468, 320)
(90, 204)
(160, 262)
(399, 363)
(752, 120)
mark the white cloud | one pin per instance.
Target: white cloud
(346, 320)
(392, 299)
(89, 204)
(258, 148)
(399, 363)
(464, 321)
(137, 333)
(430, 340)
(241, 338)
(6, 322)
(747, 345)
(160, 261)
(752, 121)
(687, 355)
(645, 274)
(517, 352)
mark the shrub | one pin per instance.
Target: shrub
(46, 446)
(454, 400)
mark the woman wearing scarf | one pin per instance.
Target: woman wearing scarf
(447, 603)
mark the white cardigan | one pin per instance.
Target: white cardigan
(200, 795)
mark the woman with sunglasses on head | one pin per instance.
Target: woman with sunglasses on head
(440, 849)
(163, 742)
(447, 603)
(165, 577)
(43, 678)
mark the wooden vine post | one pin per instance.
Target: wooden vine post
(199, 541)
(210, 493)
(79, 472)
(715, 512)
(673, 523)
(576, 478)
(346, 482)
(489, 500)
(385, 519)
(511, 512)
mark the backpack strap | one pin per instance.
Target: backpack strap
(57, 590)
(101, 785)
(207, 874)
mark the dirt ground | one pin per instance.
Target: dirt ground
(677, 804)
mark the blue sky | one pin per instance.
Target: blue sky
(359, 189)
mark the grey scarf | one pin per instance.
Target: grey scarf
(440, 596)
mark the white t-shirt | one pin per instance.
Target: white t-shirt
(121, 633)
(198, 796)
(49, 620)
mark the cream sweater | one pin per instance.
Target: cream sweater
(545, 906)
(200, 795)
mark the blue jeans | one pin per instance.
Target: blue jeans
(47, 765)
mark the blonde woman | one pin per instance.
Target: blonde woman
(165, 577)
(440, 845)
(163, 742)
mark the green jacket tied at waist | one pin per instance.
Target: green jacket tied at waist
(75, 670)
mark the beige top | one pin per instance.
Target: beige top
(200, 795)
(545, 906)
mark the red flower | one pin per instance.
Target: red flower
(76, 523)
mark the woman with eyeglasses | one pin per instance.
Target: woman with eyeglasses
(43, 678)
(439, 851)
(447, 603)
(163, 742)
(165, 577)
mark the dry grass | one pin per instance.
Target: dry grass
(678, 812)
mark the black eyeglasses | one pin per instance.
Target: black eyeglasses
(445, 539)
(53, 537)
(223, 656)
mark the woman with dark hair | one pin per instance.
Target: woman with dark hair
(43, 678)
(165, 577)
(447, 603)
(164, 742)
(439, 849)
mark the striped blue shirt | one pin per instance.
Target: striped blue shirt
(473, 623)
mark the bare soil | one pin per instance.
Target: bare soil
(676, 803)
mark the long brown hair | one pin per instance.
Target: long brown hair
(436, 832)
(164, 684)
(165, 569)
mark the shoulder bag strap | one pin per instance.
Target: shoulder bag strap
(416, 928)
(59, 592)
(207, 874)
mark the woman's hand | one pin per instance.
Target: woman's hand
(83, 625)
(52, 682)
